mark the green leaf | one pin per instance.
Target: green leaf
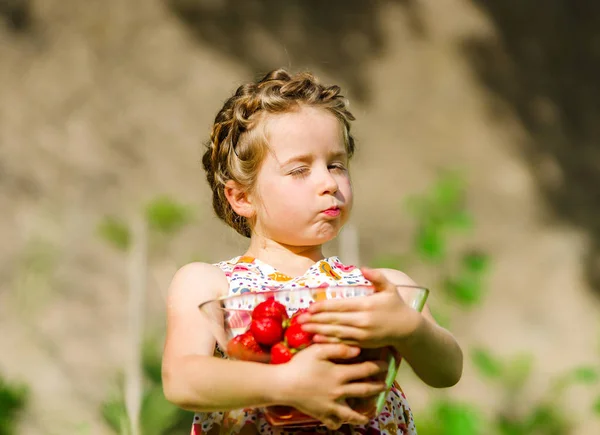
(586, 375)
(581, 375)
(12, 395)
(547, 419)
(157, 413)
(427, 425)
(465, 290)
(458, 418)
(430, 243)
(115, 232)
(449, 417)
(508, 425)
(152, 362)
(461, 220)
(13, 401)
(487, 364)
(115, 414)
(448, 192)
(476, 262)
(167, 216)
(596, 406)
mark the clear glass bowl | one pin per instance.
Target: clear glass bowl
(231, 316)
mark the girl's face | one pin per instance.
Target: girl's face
(303, 194)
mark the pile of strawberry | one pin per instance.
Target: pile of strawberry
(273, 337)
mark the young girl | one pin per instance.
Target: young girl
(277, 163)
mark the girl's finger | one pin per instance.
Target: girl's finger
(323, 339)
(341, 305)
(378, 279)
(348, 415)
(338, 331)
(357, 319)
(362, 370)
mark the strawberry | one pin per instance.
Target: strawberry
(295, 316)
(245, 347)
(267, 330)
(280, 353)
(297, 338)
(270, 308)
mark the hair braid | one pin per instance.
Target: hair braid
(236, 148)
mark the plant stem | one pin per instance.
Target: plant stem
(138, 265)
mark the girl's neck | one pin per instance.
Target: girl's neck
(290, 260)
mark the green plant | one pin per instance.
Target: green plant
(13, 401)
(167, 216)
(140, 408)
(115, 232)
(544, 416)
(162, 215)
(441, 215)
(157, 416)
(450, 417)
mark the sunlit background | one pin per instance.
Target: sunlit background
(477, 173)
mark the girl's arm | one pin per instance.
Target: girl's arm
(432, 351)
(384, 319)
(195, 380)
(192, 378)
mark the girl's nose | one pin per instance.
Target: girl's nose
(329, 185)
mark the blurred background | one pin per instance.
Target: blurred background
(477, 173)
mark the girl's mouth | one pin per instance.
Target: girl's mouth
(333, 211)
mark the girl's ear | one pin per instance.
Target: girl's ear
(239, 199)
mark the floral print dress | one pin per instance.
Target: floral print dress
(247, 274)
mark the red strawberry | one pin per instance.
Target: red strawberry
(295, 316)
(280, 353)
(245, 347)
(267, 330)
(270, 308)
(297, 338)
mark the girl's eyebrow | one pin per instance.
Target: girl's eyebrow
(301, 158)
(309, 157)
(338, 155)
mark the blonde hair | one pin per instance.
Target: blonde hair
(237, 147)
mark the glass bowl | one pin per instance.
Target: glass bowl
(275, 340)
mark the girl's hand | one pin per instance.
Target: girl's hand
(378, 320)
(317, 386)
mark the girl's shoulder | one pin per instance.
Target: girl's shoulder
(198, 282)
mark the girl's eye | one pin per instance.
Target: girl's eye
(337, 167)
(298, 172)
